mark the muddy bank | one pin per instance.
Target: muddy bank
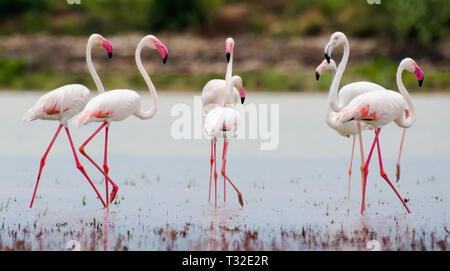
(191, 54)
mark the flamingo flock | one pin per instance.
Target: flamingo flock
(353, 108)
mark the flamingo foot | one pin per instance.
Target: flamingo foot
(241, 200)
(397, 173)
(113, 193)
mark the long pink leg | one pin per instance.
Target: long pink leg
(397, 173)
(366, 171)
(215, 175)
(384, 175)
(363, 160)
(210, 172)
(106, 169)
(81, 168)
(105, 164)
(83, 152)
(224, 161)
(225, 148)
(43, 163)
(350, 169)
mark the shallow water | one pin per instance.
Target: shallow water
(294, 196)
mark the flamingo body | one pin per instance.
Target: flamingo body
(214, 94)
(222, 122)
(342, 98)
(345, 96)
(59, 104)
(375, 108)
(114, 105)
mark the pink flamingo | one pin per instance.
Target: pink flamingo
(219, 98)
(117, 105)
(337, 101)
(379, 108)
(65, 102)
(345, 95)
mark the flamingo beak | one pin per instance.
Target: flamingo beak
(419, 74)
(328, 50)
(228, 53)
(243, 94)
(317, 76)
(162, 49)
(108, 47)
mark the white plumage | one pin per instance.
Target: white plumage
(60, 104)
(221, 119)
(117, 105)
(63, 103)
(222, 122)
(213, 93)
(114, 105)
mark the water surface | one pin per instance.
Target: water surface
(295, 197)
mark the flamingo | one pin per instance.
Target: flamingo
(63, 103)
(379, 108)
(219, 97)
(117, 105)
(346, 94)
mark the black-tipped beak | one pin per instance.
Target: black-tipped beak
(165, 58)
(242, 100)
(110, 54)
(228, 57)
(420, 82)
(327, 57)
(317, 76)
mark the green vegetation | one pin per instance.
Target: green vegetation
(419, 21)
(418, 24)
(380, 70)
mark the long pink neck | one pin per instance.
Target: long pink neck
(228, 77)
(333, 93)
(92, 71)
(404, 121)
(151, 112)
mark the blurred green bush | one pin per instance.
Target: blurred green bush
(419, 21)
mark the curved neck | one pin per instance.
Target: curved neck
(151, 112)
(228, 75)
(405, 121)
(333, 93)
(91, 68)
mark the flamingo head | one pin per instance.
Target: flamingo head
(156, 44)
(337, 39)
(325, 66)
(237, 83)
(412, 67)
(229, 45)
(99, 40)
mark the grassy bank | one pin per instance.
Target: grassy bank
(14, 76)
